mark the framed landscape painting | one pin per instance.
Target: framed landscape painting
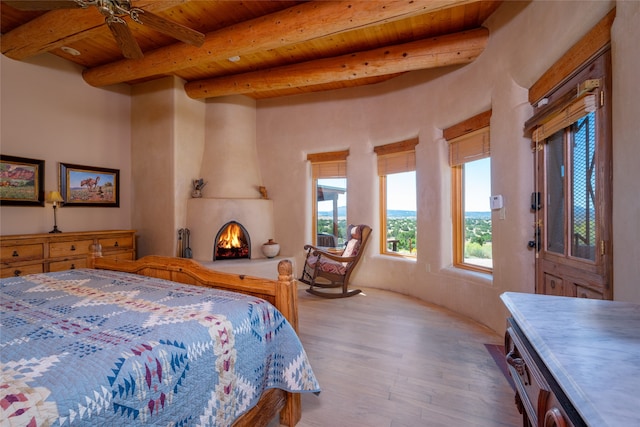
(21, 181)
(89, 186)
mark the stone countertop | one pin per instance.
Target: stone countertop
(591, 347)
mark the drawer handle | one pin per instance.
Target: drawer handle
(73, 266)
(73, 247)
(553, 284)
(17, 272)
(517, 363)
(554, 418)
(116, 244)
(15, 253)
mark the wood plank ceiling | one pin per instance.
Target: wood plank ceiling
(261, 49)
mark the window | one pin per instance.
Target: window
(329, 198)
(398, 214)
(469, 158)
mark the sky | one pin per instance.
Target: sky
(477, 185)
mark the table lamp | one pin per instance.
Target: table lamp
(55, 198)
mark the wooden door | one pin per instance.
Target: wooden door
(573, 212)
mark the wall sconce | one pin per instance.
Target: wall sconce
(55, 198)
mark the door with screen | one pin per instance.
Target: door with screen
(572, 145)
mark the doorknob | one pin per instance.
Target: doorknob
(535, 243)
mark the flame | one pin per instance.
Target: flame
(231, 237)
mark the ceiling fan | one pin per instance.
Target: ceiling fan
(114, 11)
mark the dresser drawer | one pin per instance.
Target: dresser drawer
(21, 270)
(69, 248)
(115, 243)
(18, 253)
(125, 256)
(71, 264)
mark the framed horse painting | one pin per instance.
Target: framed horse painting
(89, 186)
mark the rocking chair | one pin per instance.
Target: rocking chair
(324, 269)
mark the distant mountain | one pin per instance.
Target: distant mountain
(392, 213)
(400, 214)
(485, 215)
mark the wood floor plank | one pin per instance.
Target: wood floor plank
(389, 360)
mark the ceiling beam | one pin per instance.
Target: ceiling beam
(453, 49)
(64, 27)
(307, 21)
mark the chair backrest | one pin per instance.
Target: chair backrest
(358, 237)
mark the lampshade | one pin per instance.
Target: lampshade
(54, 196)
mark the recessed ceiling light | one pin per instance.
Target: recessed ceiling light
(234, 58)
(70, 50)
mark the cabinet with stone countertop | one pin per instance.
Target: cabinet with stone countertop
(575, 362)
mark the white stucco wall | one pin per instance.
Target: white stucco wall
(526, 39)
(47, 112)
(168, 139)
(626, 152)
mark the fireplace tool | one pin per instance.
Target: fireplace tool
(180, 245)
(187, 242)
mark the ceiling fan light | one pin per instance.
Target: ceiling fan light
(70, 50)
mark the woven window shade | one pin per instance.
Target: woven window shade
(397, 163)
(336, 169)
(396, 157)
(573, 112)
(475, 145)
(329, 165)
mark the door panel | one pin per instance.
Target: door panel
(573, 176)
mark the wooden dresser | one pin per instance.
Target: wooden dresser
(574, 361)
(39, 253)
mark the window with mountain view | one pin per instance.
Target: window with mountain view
(397, 171)
(331, 208)
(400, 213)
(470, 161)
(329, 191)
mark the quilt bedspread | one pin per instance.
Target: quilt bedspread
(92, 347)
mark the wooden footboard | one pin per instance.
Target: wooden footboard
(281, 293)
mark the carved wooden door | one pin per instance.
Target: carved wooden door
(573, 194)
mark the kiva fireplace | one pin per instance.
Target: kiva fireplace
(232, 242)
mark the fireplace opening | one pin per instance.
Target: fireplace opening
(232, 242)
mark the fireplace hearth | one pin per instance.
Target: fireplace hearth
(232, 242)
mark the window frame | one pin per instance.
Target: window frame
(477, 123)
(327, 159)
(398, 149)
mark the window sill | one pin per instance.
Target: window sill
(462, 273)
(399, 255)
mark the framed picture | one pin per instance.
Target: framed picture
(21, 181)
(89, 186)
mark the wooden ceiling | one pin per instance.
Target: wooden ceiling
(262, 49)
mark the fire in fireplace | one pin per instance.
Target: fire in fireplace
(232, 242)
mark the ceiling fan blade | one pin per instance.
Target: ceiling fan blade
(121, 32)
(42, 4)
(170, 28)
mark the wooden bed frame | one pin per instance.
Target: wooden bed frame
(281, 293)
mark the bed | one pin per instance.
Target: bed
(157, 341)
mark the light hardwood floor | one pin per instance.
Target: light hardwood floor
(388, 360)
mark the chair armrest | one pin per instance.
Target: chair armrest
(334, 257)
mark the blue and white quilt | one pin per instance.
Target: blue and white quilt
(92, 347)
